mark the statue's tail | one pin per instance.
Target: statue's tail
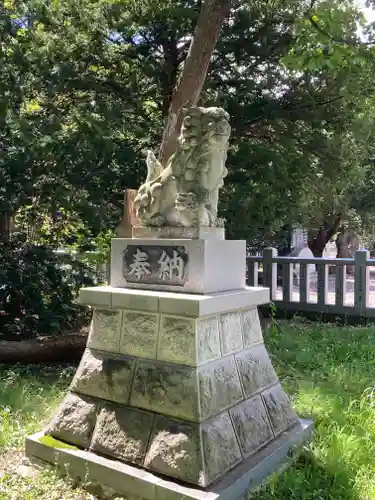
(154, 167)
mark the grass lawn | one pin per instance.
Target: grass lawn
(329, 372)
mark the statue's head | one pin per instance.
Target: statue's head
(200, 123)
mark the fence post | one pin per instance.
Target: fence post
(361, 281)
(340, 285)
(322, 284)
(252, 270)
(304, 283)
(270, 271)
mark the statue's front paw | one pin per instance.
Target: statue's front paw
(186, 201)
(157, 221)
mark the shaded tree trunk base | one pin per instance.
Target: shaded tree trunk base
(324, 235)
(53, 349)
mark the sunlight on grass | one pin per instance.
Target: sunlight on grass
(329, 373)
(27, 397)
(48, 486)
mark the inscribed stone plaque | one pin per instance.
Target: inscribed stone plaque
(251, 424)
(177, 340)
(105, 330)
(280, 410)
(219, 387)
(104, 376)
(252, 331)
(122, 433)
(165, 388)
(158, 265)
(230, 332)
(139, 335)
(174, 450)
(208, 339)
(255, 369)
(74, 423)
(220, 447)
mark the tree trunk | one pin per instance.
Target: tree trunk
(5, 223)
(61, 348)
(191, 81)
(325, 233)
(347, 243)
(130, 218)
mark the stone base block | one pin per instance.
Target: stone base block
(95, 470)
(185, 233)
(199, 266)
(177, 304)
(180, 385)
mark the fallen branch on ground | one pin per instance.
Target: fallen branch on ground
(55, 348)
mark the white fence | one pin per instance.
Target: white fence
(329, 289)
(100, 269)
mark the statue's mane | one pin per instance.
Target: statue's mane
(201, 129)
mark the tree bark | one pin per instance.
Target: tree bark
(61, 348)
(347, 243)
(130, 218)
(191, 81)
(325, 233)
(5, 223)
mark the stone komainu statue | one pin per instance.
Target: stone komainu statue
(185, 192)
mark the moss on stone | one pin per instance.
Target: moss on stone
(55, 443)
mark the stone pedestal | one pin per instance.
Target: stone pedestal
(175, 397)
(179, 265)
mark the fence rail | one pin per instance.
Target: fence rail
(100, 269)
(331, 286)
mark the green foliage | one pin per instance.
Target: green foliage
(301, 127)
(37, 292)
(328, 369)
(87, 86)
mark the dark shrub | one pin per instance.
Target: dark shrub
(37, 291)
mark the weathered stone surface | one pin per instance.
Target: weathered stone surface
(175, 450)
(255, 369)
(220, 447)
(131, 481)
(251, 424)
(181, 266)
(155, 264)
(105, 330)
(75, 420)
(139, 334)
(252, 331)
(172, 193)
(104, 376)
(179, 232)
(188, 341)
(177, 340)
(280, 410)
(166, 388)
(122, 433)
(230, 332)
(219, 387)
(208, 339)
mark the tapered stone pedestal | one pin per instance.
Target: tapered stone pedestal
(175, 398)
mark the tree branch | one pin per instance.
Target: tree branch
(188, 89)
